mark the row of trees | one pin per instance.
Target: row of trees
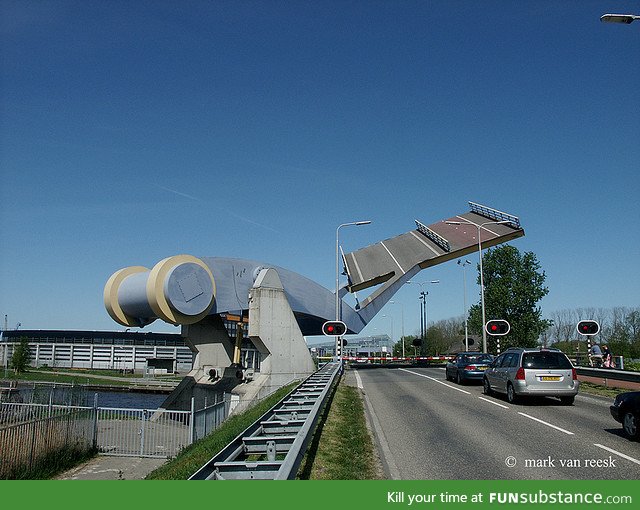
(514, 285)
(619, 329)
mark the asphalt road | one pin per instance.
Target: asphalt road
(429, 428)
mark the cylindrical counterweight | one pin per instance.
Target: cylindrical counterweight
(178, 290)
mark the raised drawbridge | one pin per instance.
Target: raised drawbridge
(280, 307)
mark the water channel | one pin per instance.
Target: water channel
(81, 395)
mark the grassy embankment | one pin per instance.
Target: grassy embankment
(341, 448)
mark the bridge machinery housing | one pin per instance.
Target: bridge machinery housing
(281, 306)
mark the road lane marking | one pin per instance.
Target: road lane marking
(546, 423)
(358, 380)
(394, 259)
(494, 403)
(617, 453)
(435, 380)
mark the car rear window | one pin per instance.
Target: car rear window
(550, 360)
(480, 358)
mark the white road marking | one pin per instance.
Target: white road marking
(394, 259)
(435, 380)
(617, 453)
(546, 423)
(494, 403)
(358, 380)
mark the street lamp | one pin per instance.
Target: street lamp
(390, 317)
(423, 307)
(464, 286)
(402, 324)
(357, 223)
(619, 18)
(480, 227)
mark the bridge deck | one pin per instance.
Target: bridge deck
(397, 256)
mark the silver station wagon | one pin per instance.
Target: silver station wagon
(522, 372)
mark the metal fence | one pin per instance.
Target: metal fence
(27, 446)
(36, 392)
(30, 433)
(142, 432)
(209, 418)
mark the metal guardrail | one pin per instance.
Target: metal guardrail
(434, 236)
(609, 373)
(494, 214)
(272, 448)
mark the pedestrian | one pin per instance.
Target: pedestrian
(595, 355)
(607, 357)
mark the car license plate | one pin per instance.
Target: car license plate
(482, 368)
(550, 378)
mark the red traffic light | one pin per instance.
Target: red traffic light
(588, 327)
(497, 327)
(334, 328)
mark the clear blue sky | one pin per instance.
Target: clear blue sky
(133, 131)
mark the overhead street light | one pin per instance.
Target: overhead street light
(423, 307)
(464, 299)
(402, 320)
(338, 310)
(619, 18)
(480, 227)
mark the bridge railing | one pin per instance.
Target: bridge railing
(272, 448)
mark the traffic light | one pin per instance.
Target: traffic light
(497, 327)
(588, 327)
(334, 328)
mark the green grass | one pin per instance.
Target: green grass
(82, 376)
(194, 456)
(598, 389)
(342, 448)
(82, 371)
(44, 376)
(54, 463)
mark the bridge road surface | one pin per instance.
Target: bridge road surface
(429, 428)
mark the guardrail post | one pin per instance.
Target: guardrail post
(192, 428)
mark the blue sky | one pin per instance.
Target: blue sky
(133, 131)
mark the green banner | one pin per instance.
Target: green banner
(382, 494)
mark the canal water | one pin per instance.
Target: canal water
(128, 399)
(80, 395)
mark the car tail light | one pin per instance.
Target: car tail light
(520, 374)
(574, 374)
(470, 368)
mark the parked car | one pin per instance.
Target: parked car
(467, 366)
(520, 372)
(626, 410)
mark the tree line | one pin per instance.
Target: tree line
(514, 285)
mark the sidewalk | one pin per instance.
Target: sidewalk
(106, 467)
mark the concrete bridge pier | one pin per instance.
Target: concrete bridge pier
(275, 333)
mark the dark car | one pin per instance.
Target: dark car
(626, 410)
(467, 366)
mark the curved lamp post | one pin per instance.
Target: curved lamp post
(356, 223)
(464, 299)
(619, 18)
(480, 227)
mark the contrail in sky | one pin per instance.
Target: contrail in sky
(180, 193)
(191, 197)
